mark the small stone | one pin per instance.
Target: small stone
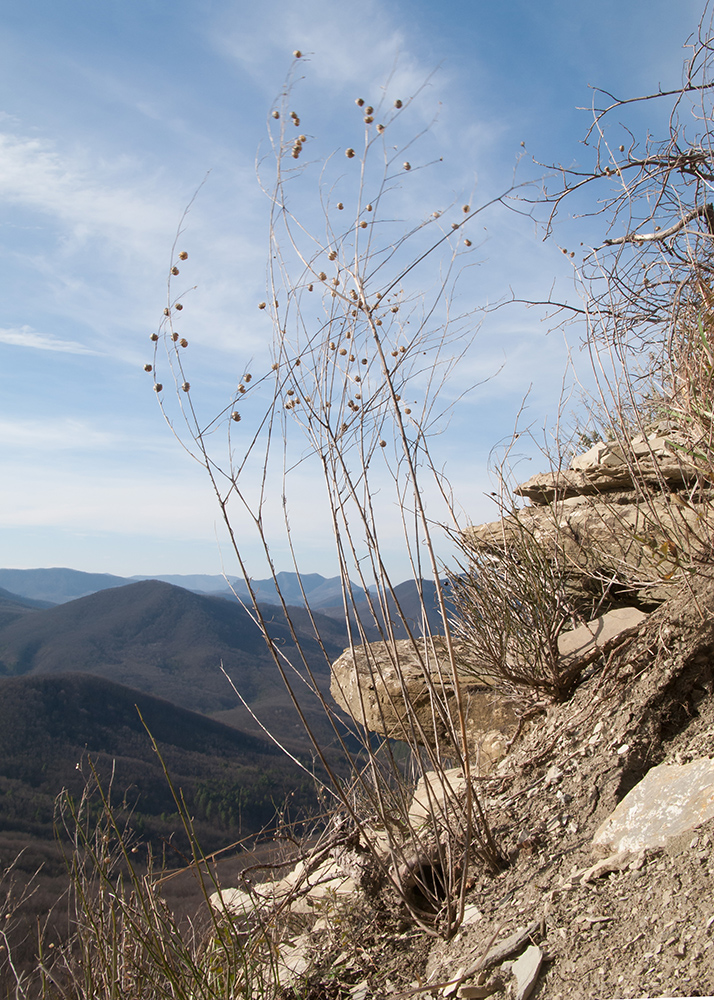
(472, 914)
(525, 970)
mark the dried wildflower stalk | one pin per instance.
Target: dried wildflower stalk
(356, 343)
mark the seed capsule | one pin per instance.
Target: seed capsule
(174, 270)
(332, 255)
(467, 243)
(359, 102)
(276, 114)
(148, 368)
(340, 205)
(183, 342)
(398, 104)
(186, 386)
(349, 153)
(261, 305)
(382, 444)
(298, 54)
(235, 416)
(158, 386)
(407, 166)
(154, 337)
(178, 306)
(183, 255)
(322, 276)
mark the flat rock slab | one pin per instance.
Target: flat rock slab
(600, 634)
(525, 970)
(670, 800)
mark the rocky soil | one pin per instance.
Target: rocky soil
(641, 924)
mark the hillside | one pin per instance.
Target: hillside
(13, 606)
(48, 725)
(169, 642)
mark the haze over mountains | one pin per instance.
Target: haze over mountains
(59, 585)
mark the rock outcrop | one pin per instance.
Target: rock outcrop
(626, 520)
(375, 683)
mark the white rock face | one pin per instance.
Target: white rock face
(303, 887)
(670, 800)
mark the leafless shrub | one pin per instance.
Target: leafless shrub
(511, 606)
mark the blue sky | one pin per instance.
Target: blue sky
(112, 114)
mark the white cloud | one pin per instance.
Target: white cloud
(25, 336)
(90, 198)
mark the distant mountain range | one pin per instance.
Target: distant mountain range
(171, 643)
(74, 670)
(61, 585)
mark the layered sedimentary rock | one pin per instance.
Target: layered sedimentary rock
(624, 520)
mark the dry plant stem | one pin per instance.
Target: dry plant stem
(341, 381)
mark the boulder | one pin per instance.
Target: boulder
(670, 800)
(376, 682)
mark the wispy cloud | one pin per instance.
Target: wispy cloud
(91, 198)
(25, 336)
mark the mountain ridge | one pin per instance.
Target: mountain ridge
(60, 585)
